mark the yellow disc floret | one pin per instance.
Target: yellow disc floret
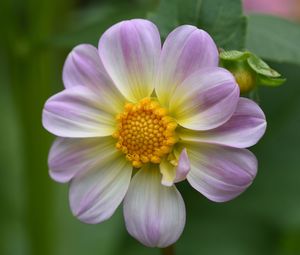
(145, 133)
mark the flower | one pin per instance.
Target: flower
(161, 115)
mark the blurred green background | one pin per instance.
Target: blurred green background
(35, 219)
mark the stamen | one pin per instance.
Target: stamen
(145, 133)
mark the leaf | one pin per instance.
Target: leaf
(278, 154)
(261, 67)
(273, 38)
(234, 55)
(249, 69)
(223, 20)
(269, 81)
(166, 16)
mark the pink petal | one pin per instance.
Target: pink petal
(183, 166)
(130, 53)
(78, 112)
(69, 157)
(186, 50)
(205, 100)
(96, 194)
(220, 173)
(83, 67)
(154, 214)
(246, 126)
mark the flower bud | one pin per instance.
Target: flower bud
(244, 77)
(249, 70)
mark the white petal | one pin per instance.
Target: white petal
(130, 53)
(183, 166)
(246, 126)
(168, 172)
(83, 67)
(69, 157)
(96, 194)
(78, 112)
(154, 214)
(187, 49)
(172, 174)
(220, 173)
(205, 100)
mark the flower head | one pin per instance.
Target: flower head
(169, 114)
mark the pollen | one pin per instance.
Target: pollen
(145, 132)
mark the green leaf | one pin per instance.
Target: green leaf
(223, 20)
(249, 70)
(166, 16)
(261, 67)
(273, 38)
(234, 55)
(269, 81)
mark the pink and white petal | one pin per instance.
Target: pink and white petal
(154, 214)
(244, 129)
(78, 112)
(173, 172)
(95, 195)
(130, 53)
(83, 67)
(220, 173)
(183, 167)
(69, 157)
(205, 100)
(187, 49)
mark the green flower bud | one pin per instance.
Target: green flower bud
(244, 77)
(249, 70)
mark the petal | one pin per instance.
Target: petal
(154, 214)
(246, 126)
(186, 50)
(96, 194)
(69, 157)
(220, 173)
(172, 174)
(130, 53)
(83, 67)
(78, 112)
(168, 172)
(205, 100)
(183, 166)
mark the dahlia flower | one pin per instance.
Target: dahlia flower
(136, 118)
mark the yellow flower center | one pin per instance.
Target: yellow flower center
(145, 133)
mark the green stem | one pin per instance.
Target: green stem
(170, 250)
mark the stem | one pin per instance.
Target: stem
(170, 250)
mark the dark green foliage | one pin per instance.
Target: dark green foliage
(35, 217)
(222, 19)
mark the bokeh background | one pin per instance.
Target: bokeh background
(36, 36)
